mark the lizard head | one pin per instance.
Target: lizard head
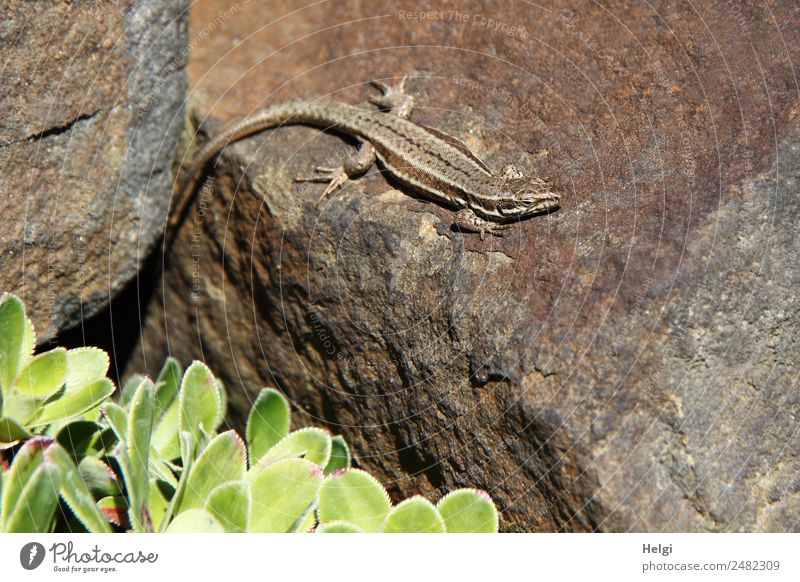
(530, 196)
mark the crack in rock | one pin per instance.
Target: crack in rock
(54, 130)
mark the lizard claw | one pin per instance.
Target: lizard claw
(394, 98)
(335, 177)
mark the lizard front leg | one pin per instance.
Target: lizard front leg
(468, 221)
(396, 101)
(353, 166)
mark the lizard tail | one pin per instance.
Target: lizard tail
(289, 113)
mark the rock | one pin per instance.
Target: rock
(628, 363)
(92, 94)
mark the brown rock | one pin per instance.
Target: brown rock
(627, 363)
(92, 96)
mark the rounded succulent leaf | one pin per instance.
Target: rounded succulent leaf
(167, 384)
(469, 511)
(84, 366)
(136, 462)
(78, 436)
(115, 510)
(12, 335)
(311, 444)
(356, 497)
(20, 408)
(229, 503)
(165, 437)
(43, 375)
(339, 527)
(98, 477)
(282, 495)
(201, 408)
(75, 492)
(11, 432)
(223, 460)
(195, 521)
(414, 515)
(73, 403)
(267, 423)
(30, 489)
(340, 455)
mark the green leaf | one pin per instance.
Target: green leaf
(30, 490)
(160, 469)
(106, 441)
(414, 515)
(229, 503)
(340, 455)
(36, 507)
(268, 423)
(78, 436)
(187, 456)
(311, 444)
(137, 477)
(28, 342)
(195, 521)
(20, 408)
(167, 384)
(114, 510)
(29, 457)
(188, 448)
(98, 477)
(223, 460)
(223, 398)
(469, 511)
(157, 503)
(356, 497)
(282, 494)
(117, 418)
(11, 432)
(75, 492)
(200, 402)
(130, 387)
(307, 524)
(12, 336)
(85, 366)
(43, 375)
(339, 527)
(165, 437)
(73, 403)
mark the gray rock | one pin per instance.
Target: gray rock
(92, 98)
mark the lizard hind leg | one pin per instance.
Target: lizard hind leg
(336, 177)
(393, 98)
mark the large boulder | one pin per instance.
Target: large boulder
(92, 96)
(627, 363)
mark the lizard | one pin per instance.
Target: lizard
(437, 166)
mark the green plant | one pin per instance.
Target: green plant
(303, 480)
(40, 394)
(155, 461)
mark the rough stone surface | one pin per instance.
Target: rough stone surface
(628, 363)
(92, 111)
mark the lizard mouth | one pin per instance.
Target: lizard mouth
(520, 208)
(542, 202)
(530, 196)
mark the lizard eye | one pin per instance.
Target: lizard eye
(535, 194)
